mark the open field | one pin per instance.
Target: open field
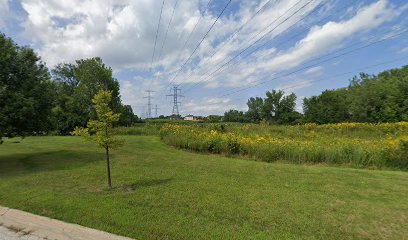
(362, 145)
(164, 193)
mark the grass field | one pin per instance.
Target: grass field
(361, 145)
(164, 193)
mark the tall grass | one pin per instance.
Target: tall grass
(353, 144)
(144, 129)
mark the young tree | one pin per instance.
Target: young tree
(100, 130)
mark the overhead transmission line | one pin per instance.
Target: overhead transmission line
(263, 81)
(255, 42)
(195, 26)
(335, 75)
(155, 39)
(157, 34)
(199, 44)
(240, 28)
(165, 36)
(237, 31)
(188, 38)
(349, 72)
(279, 44)
(167, 30)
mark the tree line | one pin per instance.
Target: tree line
(368, 98)
(35, 100)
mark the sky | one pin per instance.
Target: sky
(299, 46)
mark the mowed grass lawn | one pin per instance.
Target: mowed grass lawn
(163, 193)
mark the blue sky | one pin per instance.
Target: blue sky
(300, 46)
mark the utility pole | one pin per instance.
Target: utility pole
(176, 95)
(149, 103)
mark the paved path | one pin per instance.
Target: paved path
(19, 225)
(7, 234)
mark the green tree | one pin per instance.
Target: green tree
(76, 85)
(213, 118)
(368, 98)
(127, 117)
(378, 98)
(331, 106)
(278, 107)
(100, 130)
(234, 116)
(255, 106)
(26, 92)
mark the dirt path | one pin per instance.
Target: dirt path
(19, 225)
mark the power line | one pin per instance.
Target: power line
(167, 30)
(236, 32)
(282, 42)
(337, 75)
(165, 37)
(349, 72)
(318, 63)
(188, 38)
(195, 26)
(252, 44)
(157, 34)
(149, 97)
(199, 44)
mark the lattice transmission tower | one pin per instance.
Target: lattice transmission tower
(176, 94)
(149, 103)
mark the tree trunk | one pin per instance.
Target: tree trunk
(108, 166)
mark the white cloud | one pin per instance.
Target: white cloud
(320, 40)
(296, 85)
(122, 33)
(404, 50)
(314, 70)
(4, 12)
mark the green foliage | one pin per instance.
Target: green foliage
(76, 85)
(101, 128)
(143, 129)
(255, 109)
(275, 108)
(376, 98)
(127, 117)
(26, 91)
(280, 108)
(234, 116)
(332, 106)
(213, 119)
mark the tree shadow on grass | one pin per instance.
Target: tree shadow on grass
(145, 183)
(46, 161)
